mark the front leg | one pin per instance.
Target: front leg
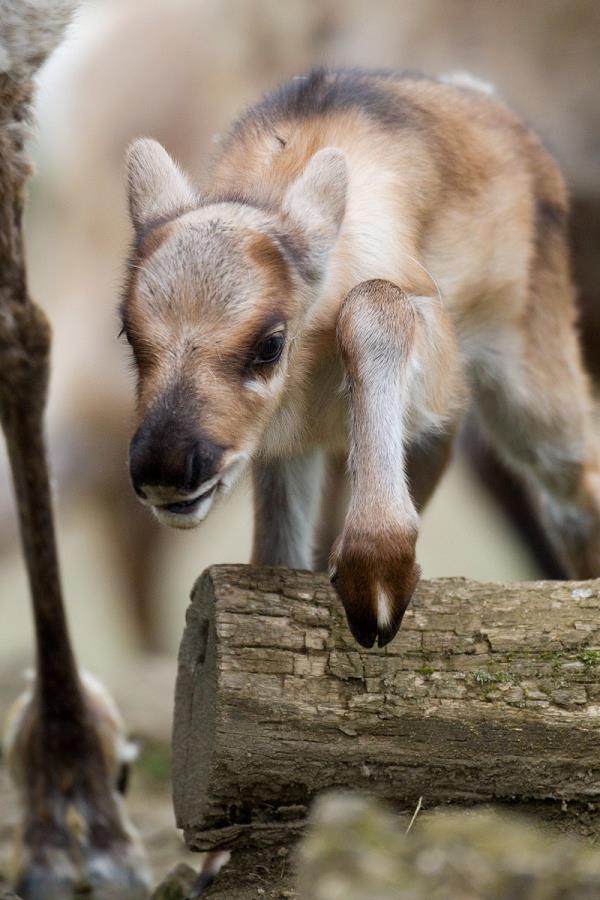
(286, 503)
(403, 379)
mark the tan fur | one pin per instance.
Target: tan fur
(348, 179)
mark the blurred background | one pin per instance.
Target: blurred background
(180, 70)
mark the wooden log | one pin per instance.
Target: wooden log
(491, 692)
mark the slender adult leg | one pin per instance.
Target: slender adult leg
(138, 541)
(63, 747)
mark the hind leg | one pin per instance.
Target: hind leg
(535, 401)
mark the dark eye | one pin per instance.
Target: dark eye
(123, 778)
(269, 350)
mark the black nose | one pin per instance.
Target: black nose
(167, 455)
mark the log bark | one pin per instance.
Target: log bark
(490, 693)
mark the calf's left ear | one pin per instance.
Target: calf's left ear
(316, 201)
(157, 186)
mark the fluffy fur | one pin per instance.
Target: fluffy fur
(29, 31)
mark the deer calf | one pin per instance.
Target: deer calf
(371, 250)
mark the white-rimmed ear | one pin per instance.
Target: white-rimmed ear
(316, 201)
(157, 186)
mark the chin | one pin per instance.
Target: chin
(188, 513)
(185, 518)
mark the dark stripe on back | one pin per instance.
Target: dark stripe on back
(323, 91)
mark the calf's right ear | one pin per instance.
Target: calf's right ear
(157, 187)
(316, 201)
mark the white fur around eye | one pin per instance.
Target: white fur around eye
(265, 387)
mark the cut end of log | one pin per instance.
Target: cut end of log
(196, 696)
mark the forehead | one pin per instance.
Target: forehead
(220, 257)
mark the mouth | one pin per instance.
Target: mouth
(185, 507)
(191, 511)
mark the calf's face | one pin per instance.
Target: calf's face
(214, 301)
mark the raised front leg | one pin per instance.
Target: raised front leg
(286, 504)
(403, 380)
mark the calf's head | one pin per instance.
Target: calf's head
(214, 302)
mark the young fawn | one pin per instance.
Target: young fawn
(371, 250)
